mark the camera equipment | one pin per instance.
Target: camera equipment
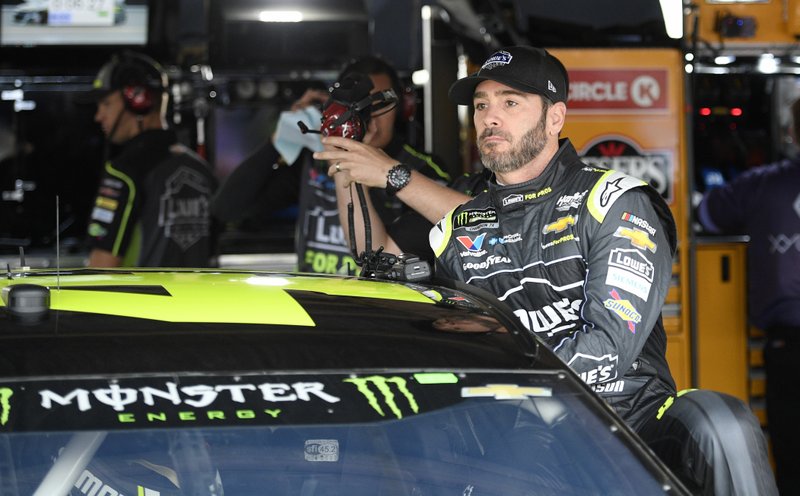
(347, 113)
(350, 107)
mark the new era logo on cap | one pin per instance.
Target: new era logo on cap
(551, 87)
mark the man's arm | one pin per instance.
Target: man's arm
(629, 270)
(369, 166)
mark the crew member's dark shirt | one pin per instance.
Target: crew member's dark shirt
(764, 203)
(153, 204)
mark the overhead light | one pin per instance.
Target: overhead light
(672, 10)
(689, 56)
(724, 59)
(280, 16)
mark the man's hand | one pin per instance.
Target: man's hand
(360, 162)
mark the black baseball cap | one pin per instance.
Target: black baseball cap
(126, 69)
(525, 68)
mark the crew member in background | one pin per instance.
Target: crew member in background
(764, 203)
(278, 175)
(153, 204)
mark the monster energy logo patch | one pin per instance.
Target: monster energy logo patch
(5, 404)
(382, 384)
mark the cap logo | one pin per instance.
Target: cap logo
(551, 86)
(497, 59)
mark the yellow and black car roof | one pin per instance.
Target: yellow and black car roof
(155, 321)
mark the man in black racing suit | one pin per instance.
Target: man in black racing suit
(583, 256)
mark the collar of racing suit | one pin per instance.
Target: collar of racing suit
(514, 196)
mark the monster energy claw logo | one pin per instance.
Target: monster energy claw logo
(5, 404)
(383, 386)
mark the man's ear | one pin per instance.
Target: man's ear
(556, 115)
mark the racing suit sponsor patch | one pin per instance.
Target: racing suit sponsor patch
(511, 199)
(566, 202)
(490, 260)
(624, 310)
(594, 369)
(557, 316)
(106, 203)
(473, 246)
(638, 238)
(507, 239)
(631, 271)
(639, 222)
(112, 183)
(562, 239)
(560, 225)
(96, 230)
(102, 215)
(473, 220)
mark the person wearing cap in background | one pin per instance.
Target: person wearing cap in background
(583, 256)
(153, 203)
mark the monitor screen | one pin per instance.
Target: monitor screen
(73, 22)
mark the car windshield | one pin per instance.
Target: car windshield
(398, 433)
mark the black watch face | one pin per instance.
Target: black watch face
(398, 177)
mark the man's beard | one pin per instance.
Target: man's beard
(529, 147)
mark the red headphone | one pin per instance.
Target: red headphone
(138, 99)
(139, 78)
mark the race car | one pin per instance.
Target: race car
(209, 382)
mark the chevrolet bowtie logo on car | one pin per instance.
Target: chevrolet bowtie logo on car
(505, 392)
(383, 385)
(560, 225)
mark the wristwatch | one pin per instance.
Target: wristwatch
(397, 178)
